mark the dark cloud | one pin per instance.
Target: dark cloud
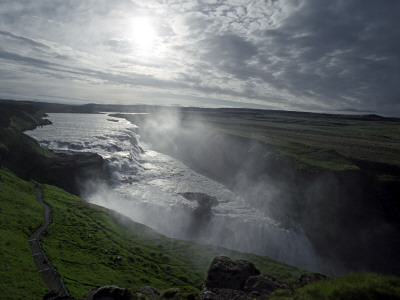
(306, 55)
(24, 40)
(344, 51)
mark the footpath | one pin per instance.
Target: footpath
(50, 276)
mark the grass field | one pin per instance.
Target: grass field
(334, 142)
(20, 215)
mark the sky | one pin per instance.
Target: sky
(308, 55)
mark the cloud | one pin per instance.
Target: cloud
(301, 55)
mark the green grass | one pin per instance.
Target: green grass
(84, 241)
(20, 215)
(320, 142)
(361, 286)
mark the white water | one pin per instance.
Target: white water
(147, 186)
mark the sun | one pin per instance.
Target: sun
(142, 32)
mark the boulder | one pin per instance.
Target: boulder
(263, 285)
(310, 278)
(148, 292)
(224, 273)
(109, 292)
(238, 280)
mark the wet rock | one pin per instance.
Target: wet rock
(310, 278)
(263, 285)
(148, 292)
(109, 292)
(202, 199)
(224, 273)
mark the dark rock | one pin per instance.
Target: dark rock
(310, 278)
(263, 285)
(225, 273)
(109, 292)
(54, 295)
(148, 292)
(202, 199)
(171, 293)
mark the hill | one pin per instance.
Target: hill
(91, 246)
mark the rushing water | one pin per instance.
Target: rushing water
(154, 189)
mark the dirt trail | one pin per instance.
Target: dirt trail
(50, 276)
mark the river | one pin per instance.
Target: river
(163, 193)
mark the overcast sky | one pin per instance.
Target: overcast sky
(310, 55)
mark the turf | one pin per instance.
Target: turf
(20, 215)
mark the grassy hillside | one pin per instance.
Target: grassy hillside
(85, 241)
(20, 215)
(361, 286)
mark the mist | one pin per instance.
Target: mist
(181, 172)
(250, 221)
(326, 221)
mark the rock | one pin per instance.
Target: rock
(202, 199)
(224, 294)
(109, 292)
(310, 278)
(171, 293)
(263, 285)
(148, 292)
(224, 273)
(53, 295)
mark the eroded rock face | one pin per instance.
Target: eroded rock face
(109, 292)
(224, 273)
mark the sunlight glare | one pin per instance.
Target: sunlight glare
(143, 33)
